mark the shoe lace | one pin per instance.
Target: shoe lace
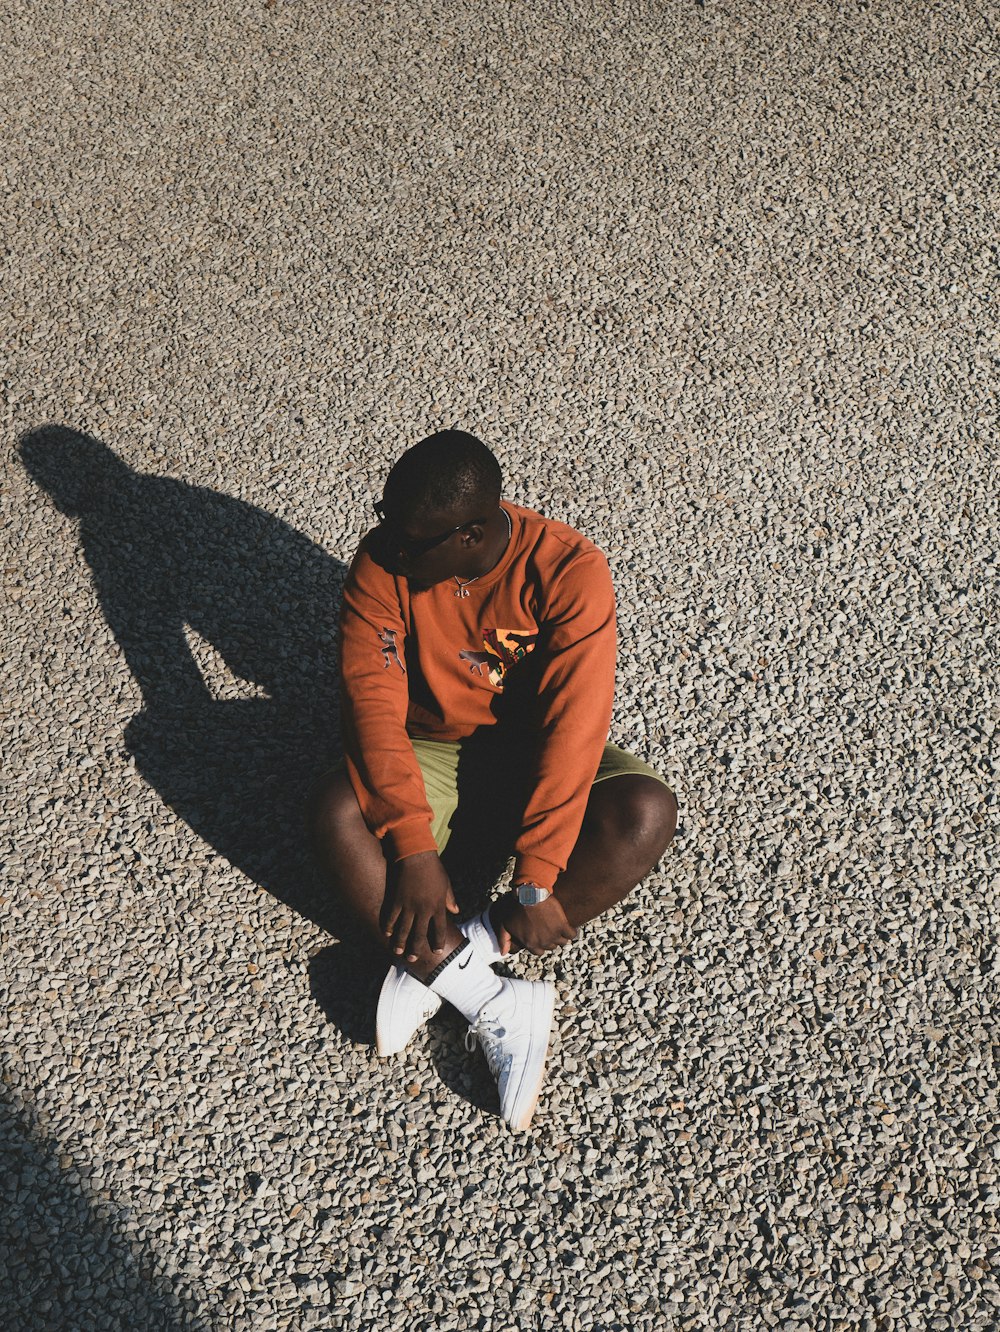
(488, 1031)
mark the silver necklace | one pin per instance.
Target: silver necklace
(463, 586)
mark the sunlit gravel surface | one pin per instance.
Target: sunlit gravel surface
(716, 281)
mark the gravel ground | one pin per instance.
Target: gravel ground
(715, 281)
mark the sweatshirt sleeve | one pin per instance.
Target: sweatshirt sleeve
(576, 694)
(381, 764)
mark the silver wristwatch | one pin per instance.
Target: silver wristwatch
(529, 894)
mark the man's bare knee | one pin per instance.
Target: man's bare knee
(349, 855)
(334, 816)
(637, 812)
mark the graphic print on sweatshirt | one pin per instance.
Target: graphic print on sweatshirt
(389, 651)
(504, 649)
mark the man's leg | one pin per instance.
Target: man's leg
(512, 1019)
(352, 859)
(629, 823)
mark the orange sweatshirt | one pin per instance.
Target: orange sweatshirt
(535, 639)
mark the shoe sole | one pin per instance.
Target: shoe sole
(543, 1004)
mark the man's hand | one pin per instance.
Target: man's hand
(538, 928)
(415, 914)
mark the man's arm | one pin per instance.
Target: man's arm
(576, 694)
(381, 765)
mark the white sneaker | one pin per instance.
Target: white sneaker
(404, 1005)
(513, 1030)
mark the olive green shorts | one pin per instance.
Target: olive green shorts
(494, 779)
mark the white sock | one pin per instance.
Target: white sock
(480, 933)
(467, 982)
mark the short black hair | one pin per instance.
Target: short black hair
(448, 472)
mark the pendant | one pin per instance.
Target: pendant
(462, 591)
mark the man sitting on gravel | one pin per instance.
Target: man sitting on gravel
(479, 638)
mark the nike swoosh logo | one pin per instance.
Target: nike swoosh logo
(463, 965)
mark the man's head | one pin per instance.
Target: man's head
(78, 471)
(440, 510)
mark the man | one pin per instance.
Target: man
(480, 634)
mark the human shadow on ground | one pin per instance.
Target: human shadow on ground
(62, 1264)
(173, 564)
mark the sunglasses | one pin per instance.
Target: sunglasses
(416, 546)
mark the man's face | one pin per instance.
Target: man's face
(423, 548)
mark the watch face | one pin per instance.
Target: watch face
(529, 894)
